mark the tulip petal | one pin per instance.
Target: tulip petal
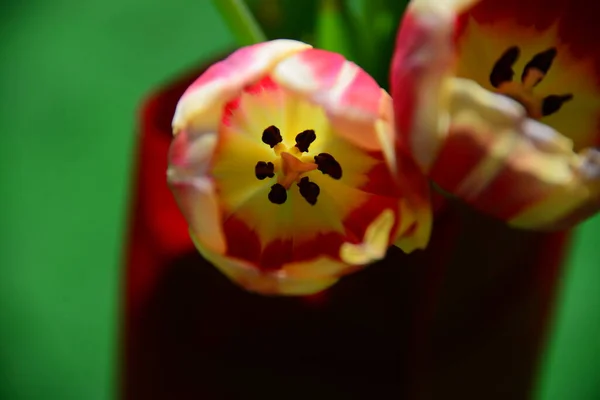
(482, 133)
(510, 166)
(417, 222)
(549, 191)
(421, 62)
(319, 268)
(201, 105)
(375, 242)
(351, 98)
(272, 283)
(195, 192)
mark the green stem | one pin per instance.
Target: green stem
(240, 21)
(333, 29)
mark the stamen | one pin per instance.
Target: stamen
(553, 103)
(533, 73)
(272, 136)
(309, 190)
(304, 139)
(263, 170)
(541, 61)
(502, 71)
(328, 165)
(278, 194)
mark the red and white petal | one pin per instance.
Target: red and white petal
(201, 105)
(350, 97)
(514, 168)
(424, 58)
(587, 203)
(550, 191)
(190, 156)
(303, 278)
(483, 130)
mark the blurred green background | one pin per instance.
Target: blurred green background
(73, 75)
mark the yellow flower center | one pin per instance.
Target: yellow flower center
(291, 165)
(522, 91)
(281, 169)
(552, 84)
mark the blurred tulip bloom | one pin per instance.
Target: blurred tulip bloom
(499, 102)
(281, 165)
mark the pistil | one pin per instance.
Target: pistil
(292, 169)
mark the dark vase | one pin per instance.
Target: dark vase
(465, 319)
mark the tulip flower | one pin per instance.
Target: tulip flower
(282, 163)
(499, 103)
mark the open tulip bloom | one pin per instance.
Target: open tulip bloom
(499, 103)
(283, 164)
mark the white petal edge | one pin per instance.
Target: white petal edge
(200, 108)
